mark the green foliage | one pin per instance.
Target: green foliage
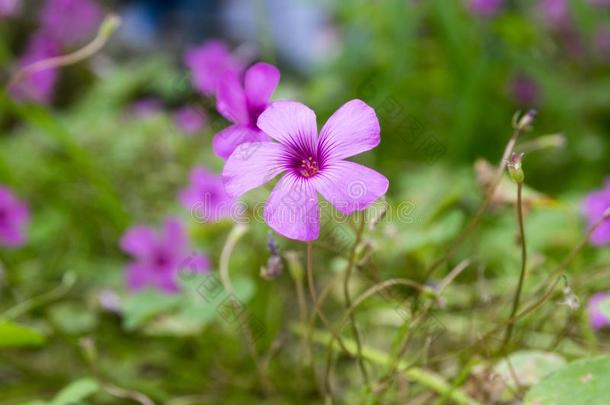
(584, 381)
(14, 335)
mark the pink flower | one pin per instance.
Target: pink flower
(146, 108)
(37, 86)
(242, 105)
(205, 197)
(311, 164)
(14, 218)
(208, 63)
(485, 8)
(9, 8)
(190, 120)
(159, 258)
(554, 12)
(524, 90)
(598, 309)
(594, 207)
(70, 21)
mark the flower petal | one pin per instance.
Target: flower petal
(351, 130)
(260, 82)
(138, 241)
(174, 237)
(290, 123)
(349, 186)
(231, 99)
(292, 209)
(251, 165)
(225, 141)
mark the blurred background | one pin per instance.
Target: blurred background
(101, 145)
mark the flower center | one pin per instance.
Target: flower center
(309, 167)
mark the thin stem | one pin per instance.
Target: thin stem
(348, 301)
(426, 378)
(236, 233)
(474, 222)
(509, 328)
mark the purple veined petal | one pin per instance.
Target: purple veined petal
(139, 241)
(174, 237)
(252, 165)
(349, 186)
(351, 130)
(231, 99)
(260, 82)
(292, 209)
(291, 123)
(225, 141)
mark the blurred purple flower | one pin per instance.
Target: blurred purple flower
(37, 86)
(160, 257)
(208, 63)
(205, 197)
(594, 207)
(524, 90)
(485, 8)
(190, 119)
(9, 8)
(598, 309)
(554, 12)
(70, 21)
(146, 107)
(14, 218)
(601, 43)
(312, 164)
(242, 104)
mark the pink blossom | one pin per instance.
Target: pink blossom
(594, 207)
(205, 197)
(70, 21)
(311, 164)
(242, 104)
(190, 120)
(14, 218)
(485, 8)
(9, 8)
(208, 63)
(598, 317)
(159, 258)
(37, 86)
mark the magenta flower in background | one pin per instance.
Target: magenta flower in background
(594, 207)
(146, 107)
(205, 197)
(14, 218)
(554, 12)
(598, 309)
(208, 63)
(190, 119)
(311, 164)
(242, 105)
(601, 43)
(159, 257)
(70, 21)
(485, 8)
(524, 90)
(37, 86)
(9, 8)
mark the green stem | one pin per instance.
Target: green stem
(510, 326)
(424, 377)
(348, 301)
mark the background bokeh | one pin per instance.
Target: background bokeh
(105, 151)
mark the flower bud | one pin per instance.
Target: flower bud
(514, 167)
(525, 122)
(273, 269)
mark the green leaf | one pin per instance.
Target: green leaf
(581, 382)
(528, 367)
(143, 306)
(14, 335)
(604, 307)
(76, 391)
(71, 318)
